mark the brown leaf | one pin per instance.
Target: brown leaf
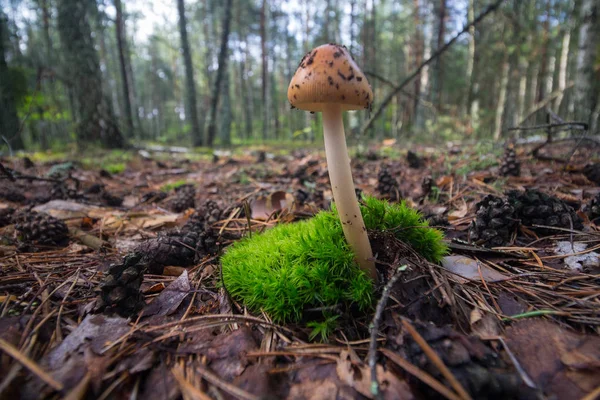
(358, 376)
(171, 298)
(466, 269)
(263, 207)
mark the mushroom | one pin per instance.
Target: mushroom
(329, 81)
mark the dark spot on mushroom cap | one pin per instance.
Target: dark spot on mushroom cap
(330, 80)
(343, 97)
(298, 86)
(359, 78)
(337, 85)
(295, 97)
(330, 64)
(351, 77)
(341, 75)
(337, 54)
(310, 61)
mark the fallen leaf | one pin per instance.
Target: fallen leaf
(460, 213)
(171, 298)
(263, 207)
(468, 269)
(577, 262)
(358, 376)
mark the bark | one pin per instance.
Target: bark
(544, 56)
(586, 90)
(221, 71)
(120, 34)
(9, 120)
(191, 110)
(225, 129)
(95, 122)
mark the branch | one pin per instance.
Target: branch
(435, 55)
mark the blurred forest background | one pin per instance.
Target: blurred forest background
(215, 72)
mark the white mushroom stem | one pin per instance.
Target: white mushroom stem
(340, 174)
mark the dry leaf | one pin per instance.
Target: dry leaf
(468, 269)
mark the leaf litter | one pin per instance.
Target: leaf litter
(518, 321)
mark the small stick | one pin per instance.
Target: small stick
(436, 360)
(30, 365)
(372, 356)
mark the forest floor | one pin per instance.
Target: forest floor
(517, 321)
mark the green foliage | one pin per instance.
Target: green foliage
(322, 329)
(115, 168)
(309, 264)
(173, 185)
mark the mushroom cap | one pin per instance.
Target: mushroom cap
(328, 74)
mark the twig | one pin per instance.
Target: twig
(436, 360)
(30, 365)
(372, 357)
(435, 55)
(420, 375)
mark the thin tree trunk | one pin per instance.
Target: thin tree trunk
(190, 103)
(501, 100)
(562, 68)
(586, 91)
(439, 66)
(265, 69)
(120, 31)
(417, 57)
(221, 71)
(472, 104)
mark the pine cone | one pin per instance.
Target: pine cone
(172, 249)
(6, 215)
(120, 287)
(594, 208)
(494, 222)
(388, 186)
(40, 229)
(592, 172)
(536, 208)
(414, 161)
(61, 191)
(184, 198)
(510, 165)
(111, 200)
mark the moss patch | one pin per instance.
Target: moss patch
(309, 264)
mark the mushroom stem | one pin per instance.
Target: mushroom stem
(340, 175)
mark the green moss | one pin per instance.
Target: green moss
(173, 185)
(309, 264)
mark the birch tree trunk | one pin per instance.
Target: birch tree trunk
(501, 100)
(562, 68)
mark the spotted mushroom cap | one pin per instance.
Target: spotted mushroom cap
(328, 74)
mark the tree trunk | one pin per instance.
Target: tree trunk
(120, 32)
(562, 68)
(439, 67)
(265, 69)
(501, 100)
(417, 57)
(96, 122)
(472, 96)
(221, 71)
(9, 120)
(586, 90)
(225, 129)
(191, 109)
